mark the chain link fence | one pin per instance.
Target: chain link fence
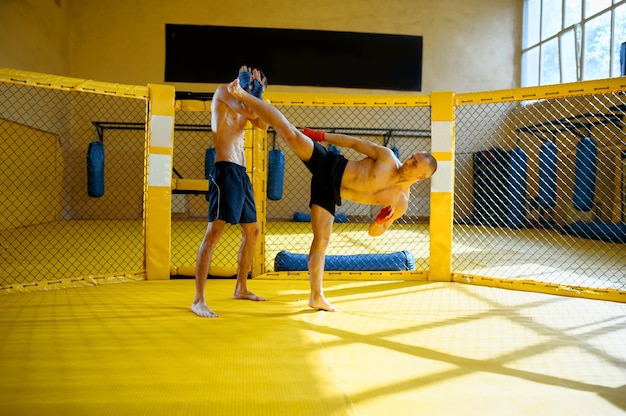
(51, 230)
(405, 129)
(540, 188)
(540, 191)
(192, 138)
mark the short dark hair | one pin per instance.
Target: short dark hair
(431, 160)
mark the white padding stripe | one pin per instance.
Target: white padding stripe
(160, 170)
(442, 135)
(161, 129)
(441, 181)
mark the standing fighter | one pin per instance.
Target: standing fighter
(230, 192)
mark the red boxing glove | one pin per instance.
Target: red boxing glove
(382, 215)
(316, 135)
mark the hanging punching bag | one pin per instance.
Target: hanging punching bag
(95, 169)
(585, 174)
(516, 204)
(622, 59)
(546, 196)
(275, 174)
(209, 163)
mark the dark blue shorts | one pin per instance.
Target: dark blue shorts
(230, 194)
(327, 169)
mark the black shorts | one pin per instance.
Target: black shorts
(230, 194)
(327, 169)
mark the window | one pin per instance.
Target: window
(597, 47)
(571, 40)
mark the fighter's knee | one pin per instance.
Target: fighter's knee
(320, 242)
(211, 240)
(251, 232)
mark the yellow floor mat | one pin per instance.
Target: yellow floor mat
(398, 348)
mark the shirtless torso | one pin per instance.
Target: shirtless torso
(373, 182)
(228, 126)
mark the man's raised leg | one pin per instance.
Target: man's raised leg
(294, 138)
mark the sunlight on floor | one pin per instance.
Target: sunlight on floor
(397, 348)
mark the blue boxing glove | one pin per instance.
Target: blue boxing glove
(254, 87)
(244, 80)
(257, 89)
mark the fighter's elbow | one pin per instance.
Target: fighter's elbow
(292, 132)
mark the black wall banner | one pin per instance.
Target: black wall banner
(213, 54)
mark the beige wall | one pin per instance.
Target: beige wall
(34, 35)
(469, 45)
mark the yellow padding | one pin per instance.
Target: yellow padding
(158, 225)
(441, 208)
(200, 185)
(416, 275)
(542, 287)
(348, 100)
(192, 105)
(442, 106)
(14, 76)
(549, 91)
(442, 156)
(398, 348)
(74, 282)
(216, 271)
(162, 99)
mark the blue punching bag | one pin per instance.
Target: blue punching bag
(396, 151)
(547, 175)
(622, 59)
(275, 175)
(516, 204)
(209, 163)
(585, 174)
(95, 169)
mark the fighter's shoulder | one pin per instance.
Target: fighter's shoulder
(386, 157)
(222, 99)
(221, 92)
(388, 152)
(383, 153)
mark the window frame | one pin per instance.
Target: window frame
(533, 9)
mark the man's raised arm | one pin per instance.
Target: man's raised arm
(387, 216)
(369, 149)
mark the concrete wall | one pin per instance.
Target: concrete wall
(34, 35)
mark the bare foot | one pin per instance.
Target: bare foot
(322, 304)
(247, 295)
(202, 310)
